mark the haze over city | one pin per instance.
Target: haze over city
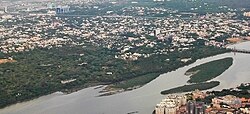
(124, 56)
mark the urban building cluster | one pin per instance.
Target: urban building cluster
(62, 9)
(128, 35)
(132, 37)
(146, 11)
(198, 94)
(27, 6)
(194, 107)
(17, 36)
(193, 103)
(247, 14)
(172, 104)
(229, 104)
(179, 104)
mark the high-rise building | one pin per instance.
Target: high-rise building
(62, 9)
(171, 108)
(6, 9)
(160, 109)
(194, 107)
(200, 108)
(190, 107)
(171, 104)
(167, 106)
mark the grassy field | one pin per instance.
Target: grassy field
(192, 87)
(208, 71)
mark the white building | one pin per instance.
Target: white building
(171, 104)
(157, 32)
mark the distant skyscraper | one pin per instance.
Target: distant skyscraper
(6, 9)
(62, 9)
(190, 107)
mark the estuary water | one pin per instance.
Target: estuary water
(141, 100)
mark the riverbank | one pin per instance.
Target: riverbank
(238, 41)
(66, 69)
(142, 99)
(192, 87)
(135, 83)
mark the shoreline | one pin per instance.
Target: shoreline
(109, 93)
(202, 82)
(108, 90)
(87, 98)
(238, 42)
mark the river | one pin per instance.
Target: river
(142, 99)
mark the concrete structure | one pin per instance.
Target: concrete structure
(247, 14)
(62, 9)
(198, 94)
(171, 104)
(168, 106)
(245, 110)
(194, 107)
(160, 108)
(230, 100)
(190, 107)
(6, 9)
(157, 32)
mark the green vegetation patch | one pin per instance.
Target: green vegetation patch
(137, 81)
(40, 71)
(244, 86)
(188, 88)
(237, 93)
(208, 71)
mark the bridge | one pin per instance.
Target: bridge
(239, 50)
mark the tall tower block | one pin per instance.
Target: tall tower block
(6, 9)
